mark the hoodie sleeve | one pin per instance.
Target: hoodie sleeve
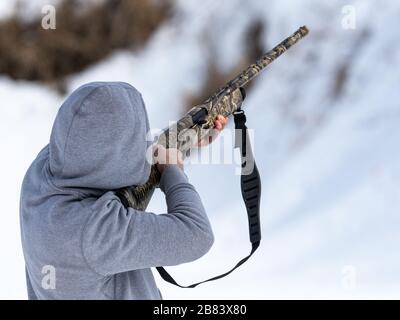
(120, 239)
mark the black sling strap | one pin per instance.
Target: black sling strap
(250, 184)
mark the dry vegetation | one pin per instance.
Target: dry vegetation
(27, 51)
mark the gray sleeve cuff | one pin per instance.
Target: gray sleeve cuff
(172, 175)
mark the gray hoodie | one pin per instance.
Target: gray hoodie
(79, 241)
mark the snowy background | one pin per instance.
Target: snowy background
(326, 118)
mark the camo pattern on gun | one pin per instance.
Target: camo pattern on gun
(199, 120)
(251, 72)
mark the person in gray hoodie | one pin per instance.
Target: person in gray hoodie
(78, 239)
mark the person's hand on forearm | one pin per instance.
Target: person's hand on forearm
(219, 124)
(168, 157)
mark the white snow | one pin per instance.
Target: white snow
(330, 166)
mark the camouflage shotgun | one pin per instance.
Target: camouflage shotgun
(197, 124)
(200, 119)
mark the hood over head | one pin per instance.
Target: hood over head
(98, 140)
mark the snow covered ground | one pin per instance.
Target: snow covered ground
(330, 162)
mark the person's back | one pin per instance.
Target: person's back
(79, 241)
